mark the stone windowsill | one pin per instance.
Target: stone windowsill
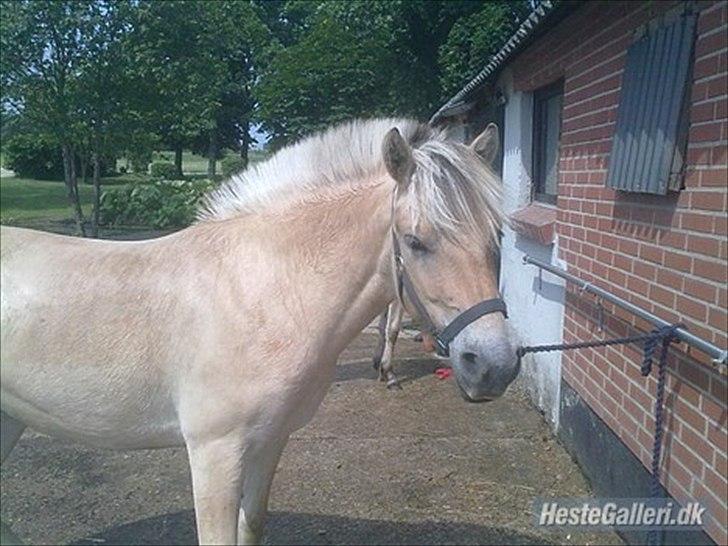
(535, 222)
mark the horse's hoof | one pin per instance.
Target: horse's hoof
(393, 383)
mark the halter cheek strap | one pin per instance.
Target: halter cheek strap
(450, 332)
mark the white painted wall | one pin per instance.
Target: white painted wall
(535, 307)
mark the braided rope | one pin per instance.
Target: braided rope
(663, 336)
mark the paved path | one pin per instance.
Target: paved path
(374, 467)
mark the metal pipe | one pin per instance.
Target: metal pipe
(719, 356)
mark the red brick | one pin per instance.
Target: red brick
(696, 442)
(705, 110)
(719, 387)
(704, 245)
(703, 68)
(721, 225)
(699, 156)
(697, 222)
(718, 319)
(670, 279)
(707, 132)
(708, 499)
(662, 296)
(693, 418)
(721, 107)
(681, 262)
(708, 200)
(715, 271)
(709, 19)
(695, 374)
(717, 87)
(714, 410)
(716, 530)
(679, 475)
(651, 253)
(688, 459)
(674, 239)
(717, 437)
(701, 290)
(645, 271)
(715, 482)
(692, 308)
(708, 44)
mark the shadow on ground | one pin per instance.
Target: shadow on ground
(406, 370)
(298, 528)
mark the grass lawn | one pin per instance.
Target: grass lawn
(43, 204)
(27, 201)
(193, 164)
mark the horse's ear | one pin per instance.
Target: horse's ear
(487, 143)
(398, 157)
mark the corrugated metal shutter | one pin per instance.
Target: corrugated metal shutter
(651, 122)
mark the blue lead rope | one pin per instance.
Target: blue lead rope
(663, 336)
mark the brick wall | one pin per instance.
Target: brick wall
(666, 254)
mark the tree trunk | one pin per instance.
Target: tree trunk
(84, 168)
(245, 145)
(97, 194)
(69, 176)
(178, 160)
(212, 154)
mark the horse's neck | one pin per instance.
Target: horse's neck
(339, 250)
(324, 265)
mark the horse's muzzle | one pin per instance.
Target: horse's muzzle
(484, 375)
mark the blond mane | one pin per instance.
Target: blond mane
(454, 188)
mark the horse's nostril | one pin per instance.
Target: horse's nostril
(469, 358)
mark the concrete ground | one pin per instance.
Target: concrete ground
(416, 466)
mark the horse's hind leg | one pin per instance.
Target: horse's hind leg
(10, 432)
(394, 322)
(382, 338)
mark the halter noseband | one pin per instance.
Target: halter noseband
(444, 338)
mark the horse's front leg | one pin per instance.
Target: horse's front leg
(394, 323)
(216, 466)
(259, 467)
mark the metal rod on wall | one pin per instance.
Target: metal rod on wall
(718, 355)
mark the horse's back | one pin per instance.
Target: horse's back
(76, 340)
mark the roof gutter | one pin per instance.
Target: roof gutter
(546, 12)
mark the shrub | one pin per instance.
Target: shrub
(164, 170)
(161, 204)
(232, 164)
(32, 156)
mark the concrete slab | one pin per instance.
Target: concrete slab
(374, 467)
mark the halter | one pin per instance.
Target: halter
(448, 334)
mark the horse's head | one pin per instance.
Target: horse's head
(446, 217)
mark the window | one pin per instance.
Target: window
(652, 121)
(547, 103)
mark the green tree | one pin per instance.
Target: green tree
(328, 76)
(107, 114)
(338, 60)
(474, 38)
(199, 60)
(170, 71)
(43, 45)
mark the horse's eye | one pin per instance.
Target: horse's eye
(415, 244)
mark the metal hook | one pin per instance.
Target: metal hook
(600, 314)
(540, 279)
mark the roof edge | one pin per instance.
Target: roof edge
(547, 13)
